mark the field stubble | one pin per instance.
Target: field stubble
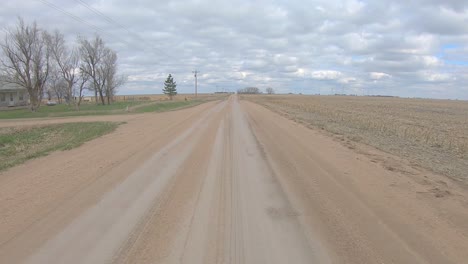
(429, 133)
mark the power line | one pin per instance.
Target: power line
(94, 10)
(119, 25)
(78, 19)
(72, 16)
(115, 23)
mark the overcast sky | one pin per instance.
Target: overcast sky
(411, 48)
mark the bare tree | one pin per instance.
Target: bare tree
(119, 82)
(270, 90)
(83, 80)
(108, 70)
(26, 59)
(111, 79)
(99, 63)
(49, 94)
(67, 63)
(113, 84)
(57, 85)
(92, 53)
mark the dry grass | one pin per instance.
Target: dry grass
(162, 97)
(430, 133)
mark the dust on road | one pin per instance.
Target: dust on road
(224, 182)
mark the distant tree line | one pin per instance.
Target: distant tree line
(44, 64)
(255, 90)
(249, 90)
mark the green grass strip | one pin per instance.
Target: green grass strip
(18, 145)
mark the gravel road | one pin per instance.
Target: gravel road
(226, 182)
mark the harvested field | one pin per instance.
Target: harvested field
(429, 133)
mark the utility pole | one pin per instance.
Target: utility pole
(195, 74)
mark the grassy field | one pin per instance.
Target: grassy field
(18, 145)
(162, 106)
(430, 133)
(166, 106)
(62, 110)
(118, 107)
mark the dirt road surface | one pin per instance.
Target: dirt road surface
(226, 182)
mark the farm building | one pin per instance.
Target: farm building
(13, 95)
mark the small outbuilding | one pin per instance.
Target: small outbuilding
(13, 95)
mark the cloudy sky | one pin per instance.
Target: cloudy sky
(411, 48)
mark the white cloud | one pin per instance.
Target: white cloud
(353, 6)
(431, 61)
(379, 75)
(437, 77)
(325, 75)
(347, 80)
(273, 42)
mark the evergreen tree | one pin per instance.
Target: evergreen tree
(170, 87)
